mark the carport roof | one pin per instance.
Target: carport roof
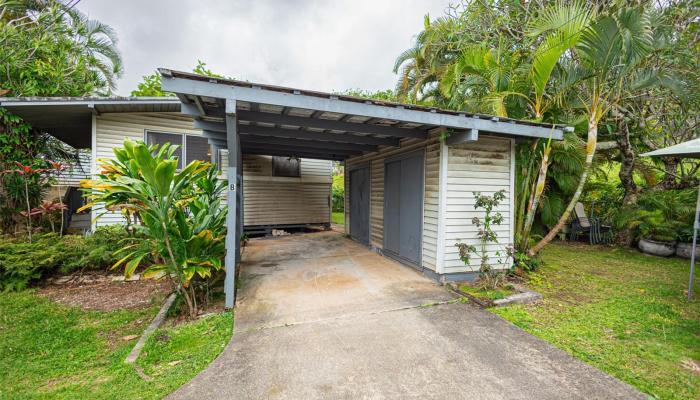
(277, 120)
(69, 118)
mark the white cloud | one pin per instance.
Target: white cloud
(318, 45)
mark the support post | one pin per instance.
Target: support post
(232, 234)
(239, 203)
(693, 251)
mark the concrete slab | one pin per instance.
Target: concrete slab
(321, 317)
(323, 275)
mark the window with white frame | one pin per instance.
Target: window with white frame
(193, 147)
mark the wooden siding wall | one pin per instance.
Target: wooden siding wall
(75, 171)
(484, 166)
(274, 200)
(111, 130)
(431, 146)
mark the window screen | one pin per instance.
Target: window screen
(197, 148)
(285, 166)
(162, 138)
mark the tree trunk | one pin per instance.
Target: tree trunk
(524, 195)
(670, 173)
(29, 208)
(627, 160)
(536, 195)
(590, 152)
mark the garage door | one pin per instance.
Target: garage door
(359, 204)
(403, 207)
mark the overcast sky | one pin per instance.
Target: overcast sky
(328, 45)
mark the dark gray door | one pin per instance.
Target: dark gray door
(403, 207)
(359, 204)
(392, 211)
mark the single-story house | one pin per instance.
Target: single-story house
(279, 191)
(411, 170)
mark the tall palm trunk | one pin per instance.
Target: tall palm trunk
(536, 195)
(525, 193)
(590, 152)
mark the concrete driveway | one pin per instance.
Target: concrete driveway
(321, 317)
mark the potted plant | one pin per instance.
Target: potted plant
(657, 233)
(685, 243)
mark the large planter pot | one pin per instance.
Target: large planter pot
(663, 249)
(684, 249)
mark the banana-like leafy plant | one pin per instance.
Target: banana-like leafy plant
(180, 227)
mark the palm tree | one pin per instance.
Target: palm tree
(99, 47)
(609, 52)
(28, 27)
(483, 79)
(421, 67)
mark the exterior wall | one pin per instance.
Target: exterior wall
(452, 174)
(485, 166)
(75, 172)
(112, 129)
(431, 146)
(268, 200)
(274, 200)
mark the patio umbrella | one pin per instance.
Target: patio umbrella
(689, 149)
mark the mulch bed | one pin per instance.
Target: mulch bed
(98, 291)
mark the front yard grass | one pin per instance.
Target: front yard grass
(620, 311)
(338, 218)
(54, 351)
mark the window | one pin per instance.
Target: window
(193, 147)
(286, 166)
(197, 148)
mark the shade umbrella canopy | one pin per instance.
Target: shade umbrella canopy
(689, 149)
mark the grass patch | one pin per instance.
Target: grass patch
(53, 351)
(620, 311)
(497, 294)
(338, 218)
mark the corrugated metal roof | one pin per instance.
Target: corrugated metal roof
(69, 118)
(283, 89)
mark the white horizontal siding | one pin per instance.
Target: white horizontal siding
(485, 166)
(275, 200)
(75, 171)
(111, 130)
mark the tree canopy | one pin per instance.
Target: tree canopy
(51, 49)
(151, 84)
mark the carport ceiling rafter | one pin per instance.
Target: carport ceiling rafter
(298, 134)
(273, 115)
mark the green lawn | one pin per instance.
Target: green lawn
(338, 218)
(620, 311)
(53, 351)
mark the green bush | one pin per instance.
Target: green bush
(659, 215)
(22, 263)
(338, 193)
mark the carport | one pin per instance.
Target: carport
(248, 118)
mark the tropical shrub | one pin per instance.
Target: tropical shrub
(659, 215)
(23, 262)
(338, 191)
(179, 216)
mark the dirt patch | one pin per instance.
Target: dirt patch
(691, 365)
(98, 291)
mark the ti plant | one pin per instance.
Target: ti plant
(181, 229)
(486, 235)
(28, 172)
